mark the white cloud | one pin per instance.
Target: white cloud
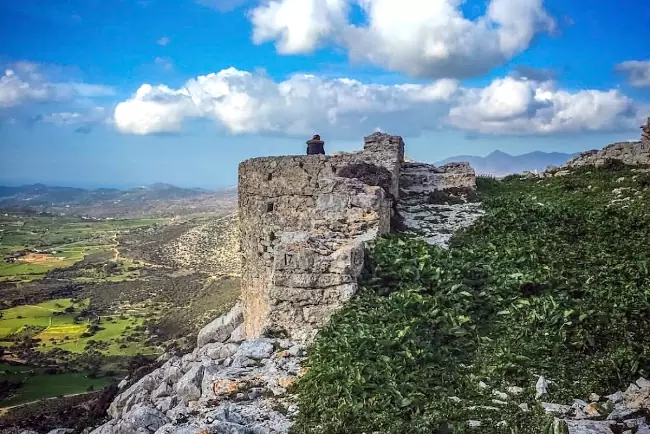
(154, 110)
(63, 118)
(520, 106)
(163, 41)
(241, 102)
(24, 81)
(424, 38)
(164, 62)
(244, 102)
(637, 72)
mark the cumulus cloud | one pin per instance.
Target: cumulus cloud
(242, 102)
(520, 106)
(163, 41)
(154, 110)
(23, 82)
(423, 38)
(636, 71)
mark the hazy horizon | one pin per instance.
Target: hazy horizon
(17, 182)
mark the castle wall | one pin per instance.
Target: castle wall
(302, 232)
(304, 221)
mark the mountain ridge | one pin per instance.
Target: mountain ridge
(500, 163)
(158, 199)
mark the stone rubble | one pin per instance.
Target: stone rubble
(436, 223)
(620, 412)
(221, 387)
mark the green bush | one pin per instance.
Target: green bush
(549, 282)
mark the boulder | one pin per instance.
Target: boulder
(189, 386)
(221, 328)
(256, 349)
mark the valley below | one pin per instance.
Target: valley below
(87, 298)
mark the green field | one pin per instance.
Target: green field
(57, 328)
(63, 241)
(39, 385)
(41, 315)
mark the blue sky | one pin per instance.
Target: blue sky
(138, 91)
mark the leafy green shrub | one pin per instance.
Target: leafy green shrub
(643, 180)
(546, 283)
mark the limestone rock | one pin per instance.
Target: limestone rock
(221, 328)
(139, 420)
(189, 386)
(256, 349)
(630, 153)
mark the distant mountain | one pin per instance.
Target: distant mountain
(499, 163)
(154, 199)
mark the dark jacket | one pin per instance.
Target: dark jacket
(315, 147)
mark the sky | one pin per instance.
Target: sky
(131, 92)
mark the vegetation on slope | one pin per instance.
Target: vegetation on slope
(554, 280)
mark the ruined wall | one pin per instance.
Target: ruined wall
(302, 230)
(304, 221)
(421, 178)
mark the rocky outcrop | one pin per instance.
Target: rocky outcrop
(630, 153)
(220, 387)
(620, 412)
(223, 328)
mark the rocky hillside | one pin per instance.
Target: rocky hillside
(534, 319)
(207, 244)
(630, 153)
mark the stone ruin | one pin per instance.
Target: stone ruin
(305, 220)
(304, 223)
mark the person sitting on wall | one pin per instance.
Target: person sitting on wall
(315, 146)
